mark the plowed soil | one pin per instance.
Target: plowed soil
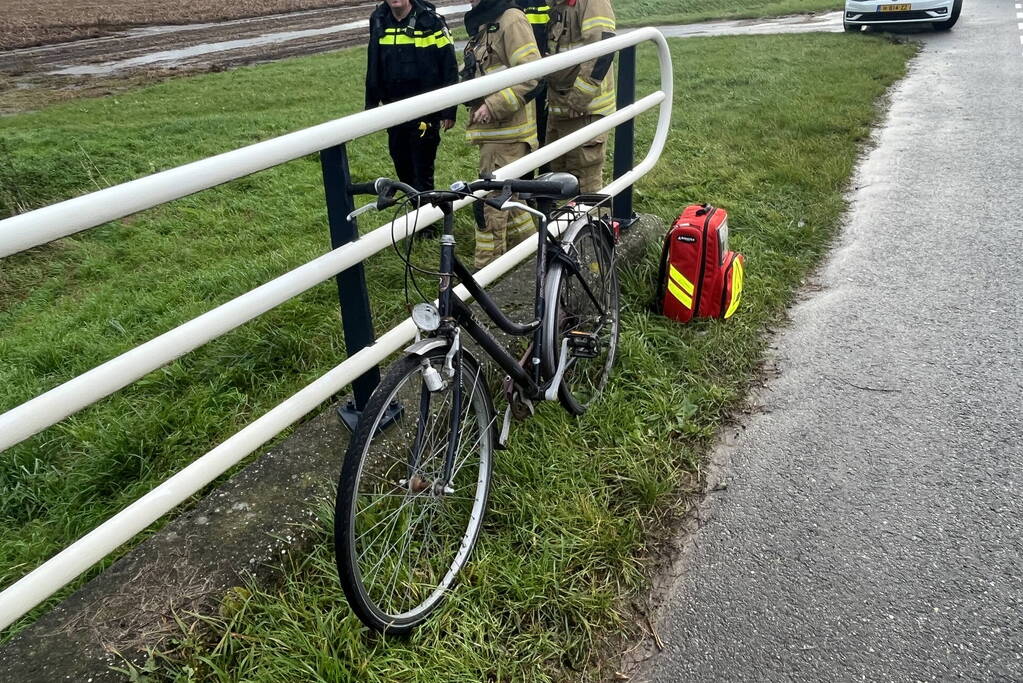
(156, 39)
(25, 23)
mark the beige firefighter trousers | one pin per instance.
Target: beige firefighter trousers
(504, 229)
(585, 162)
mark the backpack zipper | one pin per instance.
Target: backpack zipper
(703, 262)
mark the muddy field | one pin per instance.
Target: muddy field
(168, 41)
(25, 23)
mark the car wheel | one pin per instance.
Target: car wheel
(851, 28)
(947, 25)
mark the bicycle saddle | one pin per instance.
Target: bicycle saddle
(568, 186)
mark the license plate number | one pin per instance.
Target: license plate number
(894, 8)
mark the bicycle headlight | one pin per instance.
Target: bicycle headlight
(426, 317)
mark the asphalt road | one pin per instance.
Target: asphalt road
(872, 526)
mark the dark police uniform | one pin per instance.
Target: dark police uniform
(407, 58)
(538, 14)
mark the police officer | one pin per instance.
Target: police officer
(581, 94)
(538, 14)
(503, 124)
(411, 52)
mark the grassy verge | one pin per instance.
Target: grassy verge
(572, 500)
(654, 12)
(70, 306)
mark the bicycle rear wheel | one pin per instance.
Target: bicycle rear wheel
(582, 307)
(402, 530)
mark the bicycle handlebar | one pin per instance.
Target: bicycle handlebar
(556, 185)
(540, 187)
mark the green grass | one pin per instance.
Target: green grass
(69, 306)
(773, 140)
(654, 12)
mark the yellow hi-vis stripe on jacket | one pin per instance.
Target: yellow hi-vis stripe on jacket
(605, 23)
(538, 15)
(400, 36)
(526, 132)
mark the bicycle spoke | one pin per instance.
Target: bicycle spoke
(396, 512)
(458, 466)
(406, 541)
(401, 553)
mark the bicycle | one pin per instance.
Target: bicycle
(416, 475)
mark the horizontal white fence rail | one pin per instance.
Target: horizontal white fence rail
(66, 218)
(74, 215)
(49, 408)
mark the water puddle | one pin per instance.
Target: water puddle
(821, 23)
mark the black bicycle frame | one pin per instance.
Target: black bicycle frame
(453, 308)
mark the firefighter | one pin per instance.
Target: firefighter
(411, 52)
(583, 93)
(503, 124)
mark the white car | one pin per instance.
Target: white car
(942, 14)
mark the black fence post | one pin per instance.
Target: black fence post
(625, 136)
(356, 317)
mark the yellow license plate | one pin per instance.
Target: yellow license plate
(894, 8)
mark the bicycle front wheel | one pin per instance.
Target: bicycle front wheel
(582, 309)
(413, 489)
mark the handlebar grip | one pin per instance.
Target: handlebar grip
(362, 188)
(536, 187)
(487, 185)
(381, 187)
(520, 186)
(387, 187)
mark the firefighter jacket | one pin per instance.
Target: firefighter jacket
(587, 88)
(409, 57)
(501, 38)
(538, 14)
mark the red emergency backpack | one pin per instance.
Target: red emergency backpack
(699, 277)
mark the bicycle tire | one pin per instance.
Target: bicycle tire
(390, 421)
(570, 309)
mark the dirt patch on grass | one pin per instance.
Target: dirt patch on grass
(24, 23)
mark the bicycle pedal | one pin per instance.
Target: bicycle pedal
(583, 344)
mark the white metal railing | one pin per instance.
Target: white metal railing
(66, 218)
